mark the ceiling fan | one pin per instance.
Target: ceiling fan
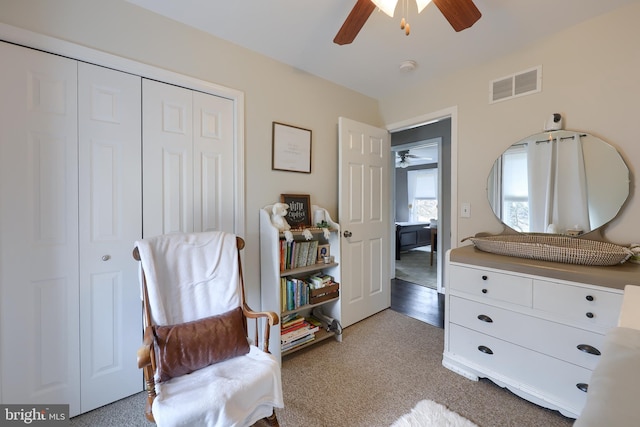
(461, 14)
(403, 158)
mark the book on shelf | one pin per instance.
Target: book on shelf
(296, 330)
(290, 319)
(294, 293)
(296, 334)
(315, 321)
(297, 343)
(313, 253)
(303, 252)
(297, 254)
(319, 280)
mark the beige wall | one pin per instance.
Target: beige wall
(273, 92)
(590, 74)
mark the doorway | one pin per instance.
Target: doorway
(416, 211)
(438, 128)
(437, 132)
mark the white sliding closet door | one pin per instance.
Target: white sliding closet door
(110, 221)
(188, 161)
(70, 192)
(214, 165)
(39, 332)
(167, 188)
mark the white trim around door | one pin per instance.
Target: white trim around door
(451, 112)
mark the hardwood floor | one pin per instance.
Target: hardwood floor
(417, 301)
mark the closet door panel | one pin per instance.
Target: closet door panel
(110, 221)
(213, 167)
(168, 159)
(39, 338)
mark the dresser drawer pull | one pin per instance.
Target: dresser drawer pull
(485, 350)
(485, 278)
(590, 297)
(583, 387)
(485, 318)
(484, 291)
(590, 315)
(589, 349)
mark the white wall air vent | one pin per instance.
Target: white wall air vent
(518, 84)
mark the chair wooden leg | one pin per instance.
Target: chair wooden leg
(272, 420)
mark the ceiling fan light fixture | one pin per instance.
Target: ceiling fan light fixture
(422, 4)
(387, 6)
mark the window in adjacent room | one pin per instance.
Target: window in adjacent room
(422, 186)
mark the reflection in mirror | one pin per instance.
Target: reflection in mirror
(563, 182)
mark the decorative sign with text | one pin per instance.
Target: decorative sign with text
(299, 212)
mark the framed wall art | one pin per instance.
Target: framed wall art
(291, 149)
(299, 212)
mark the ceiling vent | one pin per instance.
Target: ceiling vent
(518, 84)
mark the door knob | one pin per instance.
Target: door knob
(347, 233)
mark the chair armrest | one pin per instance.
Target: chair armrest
(144, 352)
(272, 320)
(272, 317)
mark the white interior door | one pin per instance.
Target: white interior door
(365, 215)
(39, 326)
(110, 221)
(168, 158)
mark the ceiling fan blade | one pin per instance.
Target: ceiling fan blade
(461, 14)
(354, 22)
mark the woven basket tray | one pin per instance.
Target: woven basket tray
(557, 248)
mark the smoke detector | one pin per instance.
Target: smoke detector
(408, 66)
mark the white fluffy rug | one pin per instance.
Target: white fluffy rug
(431, 414)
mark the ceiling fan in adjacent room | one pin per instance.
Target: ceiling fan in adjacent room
(461, 14)
(403, 158)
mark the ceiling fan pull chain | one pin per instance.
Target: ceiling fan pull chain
(404, 24)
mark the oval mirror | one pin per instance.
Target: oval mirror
(563, 182)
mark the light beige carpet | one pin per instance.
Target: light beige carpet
(385, 365)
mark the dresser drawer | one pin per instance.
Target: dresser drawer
(555, 381)
(586, 305)
(491, 285)
(573, 345)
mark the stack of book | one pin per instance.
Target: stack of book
(294, 292)
(296, 331)
(297, 254)
(314, 289)
(319, 280)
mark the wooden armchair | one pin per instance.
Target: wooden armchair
(198, 364)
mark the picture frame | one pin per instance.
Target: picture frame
(299, 212)
(323, 251)
(291, 149)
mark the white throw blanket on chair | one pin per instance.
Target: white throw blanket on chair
(182, 273)
(185, 283)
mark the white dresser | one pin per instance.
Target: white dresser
(534, 327)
